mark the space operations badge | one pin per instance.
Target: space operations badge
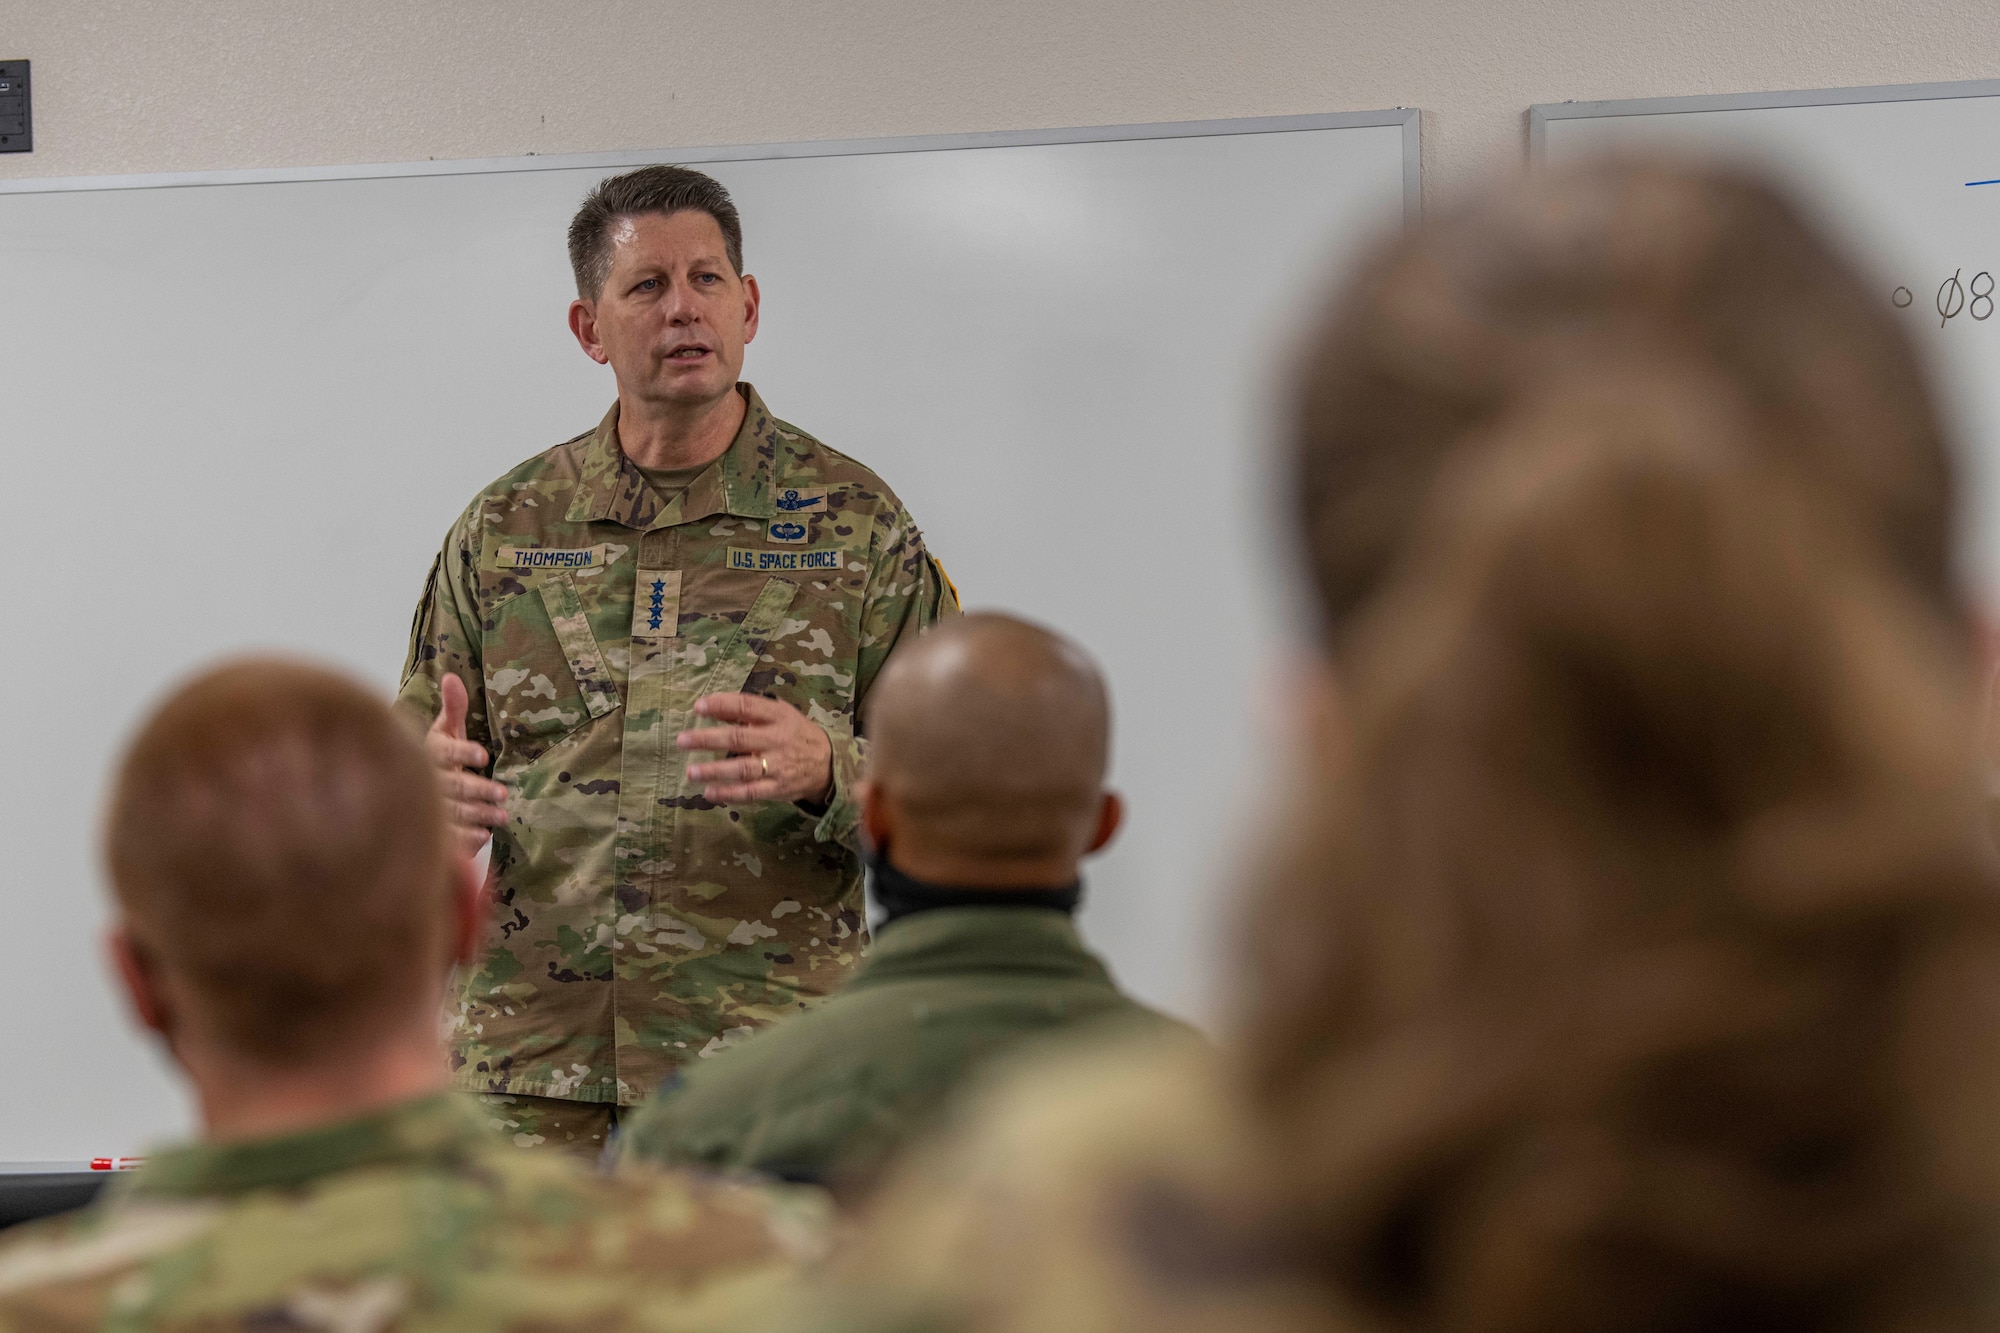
(800, 499)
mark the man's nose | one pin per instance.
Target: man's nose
(679, 305)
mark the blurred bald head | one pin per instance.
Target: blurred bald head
(991, 737)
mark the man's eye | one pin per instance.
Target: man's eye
(648, 285)
(707, 277)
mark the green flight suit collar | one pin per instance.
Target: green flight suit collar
(443, 1127)
(956, 941)
(612, 489)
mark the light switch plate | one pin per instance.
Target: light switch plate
(17, 122)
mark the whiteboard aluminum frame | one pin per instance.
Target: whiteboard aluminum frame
(1542, 113)
(1406, 117)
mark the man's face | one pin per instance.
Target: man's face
(673, 317)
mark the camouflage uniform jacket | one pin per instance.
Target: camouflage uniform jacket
(830, 1095)
(638, 924)
(1122, 1186)
(417, 1217)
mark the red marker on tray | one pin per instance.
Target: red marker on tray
(116, 1163)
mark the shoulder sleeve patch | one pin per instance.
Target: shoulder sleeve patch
(938, 565)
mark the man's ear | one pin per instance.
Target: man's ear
(1988, 634)
(472, 908)
(752, 300)
(1303, 719)
(876, 821)
(583, 324)
(1316, 692)
(139, 976)
(1110, 818)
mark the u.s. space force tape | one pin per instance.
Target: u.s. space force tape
(820, 559)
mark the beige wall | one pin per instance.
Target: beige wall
(148, 85)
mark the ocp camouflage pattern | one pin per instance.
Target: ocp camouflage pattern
(415, 1218)
(638, 924)
(1127, 1182)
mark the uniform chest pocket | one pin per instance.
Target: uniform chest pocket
(808, 658)
(736, 652)
(545, 674)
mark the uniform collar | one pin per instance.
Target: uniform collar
(443, 1127)
(899, 894)
(612, 489)
(956, 941)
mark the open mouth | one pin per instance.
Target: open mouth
(694, 352)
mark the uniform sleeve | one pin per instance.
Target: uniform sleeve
(445, 635)
(1039, 1204)
(707, 1115)
(907, 592)
(653, 1131)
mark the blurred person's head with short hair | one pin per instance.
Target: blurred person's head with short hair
(290, 900)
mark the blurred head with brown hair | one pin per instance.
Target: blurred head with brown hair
(1634, 959)
(1447, 330)
(291, 902)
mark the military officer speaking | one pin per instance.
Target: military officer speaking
(639, 656)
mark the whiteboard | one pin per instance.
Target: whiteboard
(1908, 177)
(239, 411)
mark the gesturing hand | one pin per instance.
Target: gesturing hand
(776, 753)
(476, 805)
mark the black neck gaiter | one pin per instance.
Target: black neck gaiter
(900, 895)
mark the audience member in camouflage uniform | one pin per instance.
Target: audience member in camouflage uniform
(985, 791)
(292, 899)
(1629, 962)
(693, 577)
